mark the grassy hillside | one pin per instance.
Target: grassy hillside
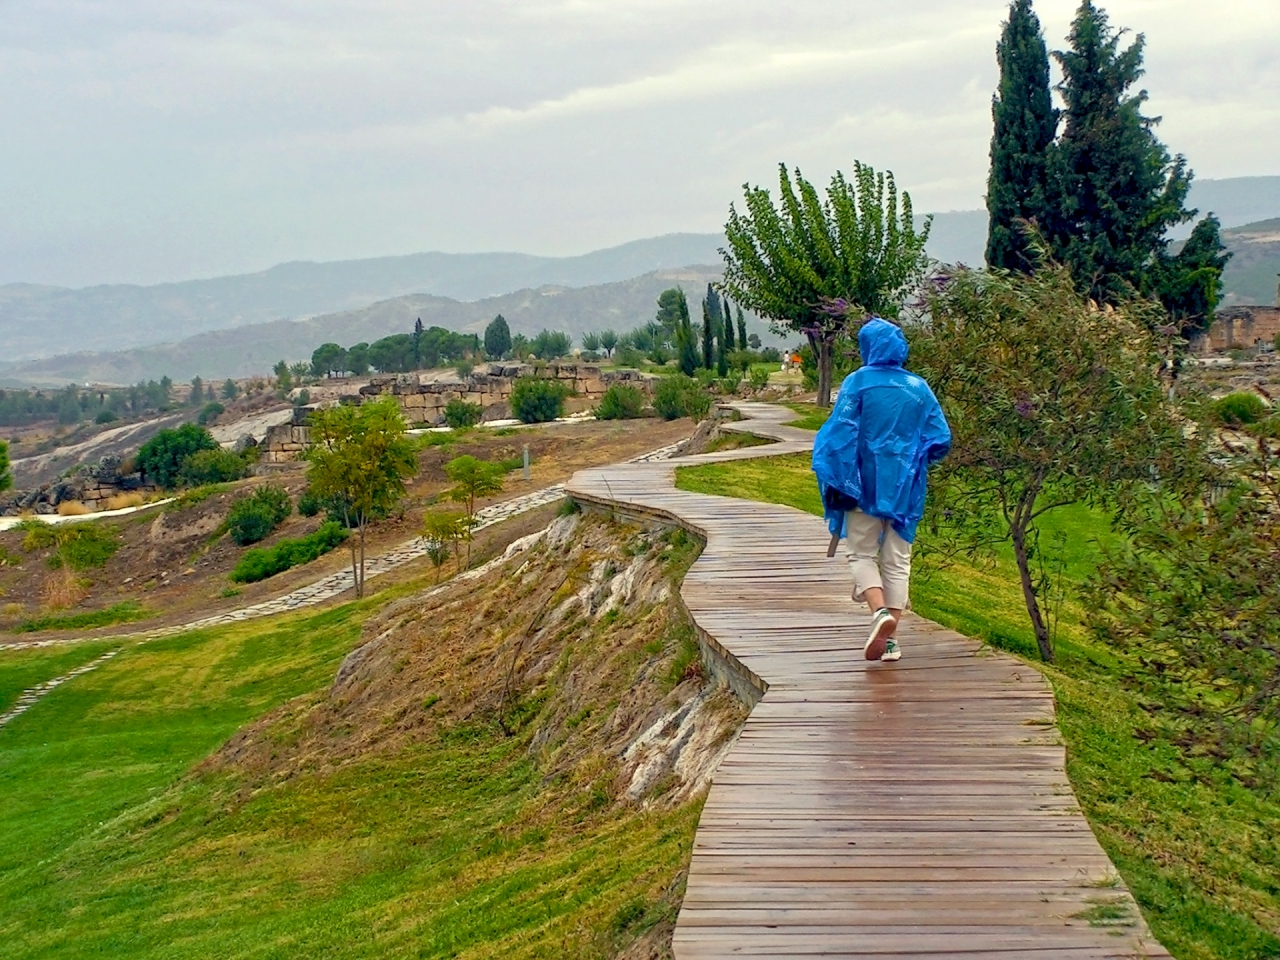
(1198, 854)
(461, 790)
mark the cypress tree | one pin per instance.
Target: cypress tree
(685, 344)
(742, 330)
(727, 315)
(708, 337)
(1025, 124)
(1115, 189)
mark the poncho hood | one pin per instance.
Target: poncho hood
(882, 344)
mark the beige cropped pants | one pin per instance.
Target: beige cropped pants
(878, 557)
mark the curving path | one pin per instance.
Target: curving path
(917, 809)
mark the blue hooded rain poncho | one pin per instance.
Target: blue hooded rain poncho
(886, 428)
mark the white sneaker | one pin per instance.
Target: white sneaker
(882, 625)
(892, 652)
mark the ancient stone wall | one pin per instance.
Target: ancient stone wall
(1238, 328)
(423, 398)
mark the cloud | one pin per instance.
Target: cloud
(169, 139)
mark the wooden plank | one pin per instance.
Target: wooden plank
(916, 809)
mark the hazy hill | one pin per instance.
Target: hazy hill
(254, 349)
(39, 321)
(1252, 274)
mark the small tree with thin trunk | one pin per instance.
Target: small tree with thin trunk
(473, 479)
(360, 459)
(859, 244)
(608, 341)
(1052, 401)
(6, 476)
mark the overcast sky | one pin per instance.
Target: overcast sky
(150, 140)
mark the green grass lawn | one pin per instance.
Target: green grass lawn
(1201, 857)
(120, 841)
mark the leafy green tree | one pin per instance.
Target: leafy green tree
(591, 342)
(360, 458)
(671, 307)
(284, 379)
(444, 531)
(497, 338)
(1116, 190)
(358, 359)
(608, 342)
(327, 359)
(473, 479)
(1026, 124)
(1051, 402)
(394, 354)
(229, 389)
(550, 344)
(680, 395)
(196, 397)
(857, 246)
(300, 370)
(6, 475)
(162, 457)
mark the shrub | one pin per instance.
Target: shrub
(620, 402)
(81, 546)
(161, 458)
(252, 518)
(309, 505)
(72, 508)
(538, 400)
(759, 378)
(680, 396)
(209, 412)
(105, 416)
(302, 399)
(261, 562)
(459, 414)
(464, 369)
(1239, 409)
(212, 466)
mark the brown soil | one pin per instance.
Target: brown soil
(170, 561)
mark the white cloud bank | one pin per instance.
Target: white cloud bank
(157, 140)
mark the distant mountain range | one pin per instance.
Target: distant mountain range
(121, 333)
(254, 349)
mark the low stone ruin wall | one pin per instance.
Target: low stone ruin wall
(92, 486)
(423, 398)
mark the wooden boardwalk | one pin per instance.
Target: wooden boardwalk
(869, 810)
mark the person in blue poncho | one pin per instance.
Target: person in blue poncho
(872, 458)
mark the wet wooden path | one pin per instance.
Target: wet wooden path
(916, 809)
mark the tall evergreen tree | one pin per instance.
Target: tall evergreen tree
(730, 343)
(417, 344)
(686, 345)
(742, 331)
(497, 338)
(1025, 126)
(708, 337)
(1116, 190)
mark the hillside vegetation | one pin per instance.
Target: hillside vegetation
(510, 766)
